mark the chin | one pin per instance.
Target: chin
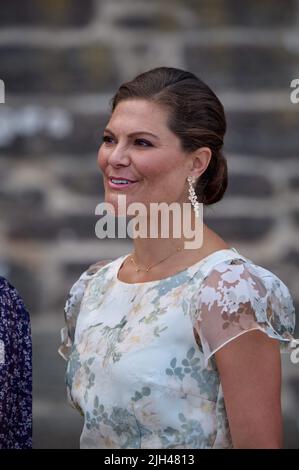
(113, 201)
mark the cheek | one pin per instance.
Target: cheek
(153, 169)
(102, 160)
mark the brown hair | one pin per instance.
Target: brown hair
(196, 117)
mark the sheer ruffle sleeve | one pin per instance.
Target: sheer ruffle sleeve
(72, 307)
(238, 296)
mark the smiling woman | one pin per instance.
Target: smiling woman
(169, 347)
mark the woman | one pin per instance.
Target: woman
(156, 353)
(15, 370)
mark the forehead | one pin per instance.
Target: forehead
(139, 112)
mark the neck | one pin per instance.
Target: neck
(151, 250)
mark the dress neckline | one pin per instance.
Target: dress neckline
(190, 269)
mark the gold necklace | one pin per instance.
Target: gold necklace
(151, 266)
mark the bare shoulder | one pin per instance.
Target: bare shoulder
(93, 268)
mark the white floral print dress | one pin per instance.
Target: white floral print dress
(141, 367)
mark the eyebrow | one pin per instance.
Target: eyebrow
(134, 133)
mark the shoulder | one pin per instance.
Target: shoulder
(242, 274)
(95, 267)
(227, 281)
(78, 288)
(237, 296)
(10, 300)
(15, 327)
(240, 279)
(8, 293)
(73, 304)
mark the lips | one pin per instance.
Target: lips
(121, 186)
(122, 178)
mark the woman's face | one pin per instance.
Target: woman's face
(156, 161)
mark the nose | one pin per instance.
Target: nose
(118, 156)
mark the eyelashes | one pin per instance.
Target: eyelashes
(105, 139)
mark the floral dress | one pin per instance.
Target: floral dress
(141, 367)
(15, 371)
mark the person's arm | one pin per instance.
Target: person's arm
(250, 374)
(245, 317)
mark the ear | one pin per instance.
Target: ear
(200, 161)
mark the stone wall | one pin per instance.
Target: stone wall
(61, 61)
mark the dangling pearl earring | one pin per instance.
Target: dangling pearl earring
(192, 196)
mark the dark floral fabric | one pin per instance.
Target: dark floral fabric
(15, 370)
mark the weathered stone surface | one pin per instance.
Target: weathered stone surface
(53, 14)
(28, 283)
(36, 226)
(241, 229)
(292, 257)
(89, 184)
(16, 201)
(62, 71)
(235, 13)
(271, 134)
(145, 21)
(294, 182)
(249, 186)
(51, 132)
(295, 217)
(56, 424)
(51, 128)
(245, 67)
(290, 428)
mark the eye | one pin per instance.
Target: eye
(147, 144)
(144, 143)
(106, 138)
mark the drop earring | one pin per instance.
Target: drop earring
(192, 196)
